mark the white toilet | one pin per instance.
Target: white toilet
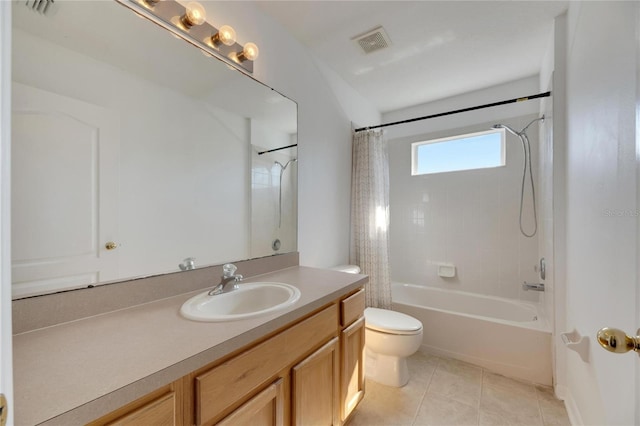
(390, 337)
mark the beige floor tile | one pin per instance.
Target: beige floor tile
(505, 403)
(468, 371)
(438, 410)
(506, 419)
(545, 393)
(386, 405)
(553, 410)
(458, 381)
(554, 415)
(421, 367)
(508, 384)
(448, 392)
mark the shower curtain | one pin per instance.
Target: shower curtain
(370, 215)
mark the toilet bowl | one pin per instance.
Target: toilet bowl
(390, 337)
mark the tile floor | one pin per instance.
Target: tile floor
(448, 392)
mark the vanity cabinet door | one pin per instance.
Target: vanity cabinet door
(264, 409)
(315, 389)
(352, 374)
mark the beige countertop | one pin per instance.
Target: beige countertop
(77, 371)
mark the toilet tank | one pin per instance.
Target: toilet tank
(350, 269)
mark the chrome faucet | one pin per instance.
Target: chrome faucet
(533, 286)
(228, 275)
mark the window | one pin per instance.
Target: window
(464, 152)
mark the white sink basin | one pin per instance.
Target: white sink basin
(248, 301)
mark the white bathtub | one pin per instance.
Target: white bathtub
(505, 336)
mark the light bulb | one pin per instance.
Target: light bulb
(225, 35)
(149, 3)
(249, 52)
(195, 15)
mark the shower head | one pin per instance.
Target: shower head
(293, 160)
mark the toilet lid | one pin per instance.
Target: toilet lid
(392, 322)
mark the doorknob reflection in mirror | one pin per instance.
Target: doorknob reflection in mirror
(111, 245)
(615, 340)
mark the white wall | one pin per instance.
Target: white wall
(469, 218)
(324, 130)
(601, 170)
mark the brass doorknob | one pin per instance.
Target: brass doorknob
(615, 340)
(111, 245)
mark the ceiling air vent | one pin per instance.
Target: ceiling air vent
(373, 40)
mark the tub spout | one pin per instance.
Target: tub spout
(533, 286)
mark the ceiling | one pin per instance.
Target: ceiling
(438, 48)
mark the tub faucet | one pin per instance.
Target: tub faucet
(533, 286)
(228, 275)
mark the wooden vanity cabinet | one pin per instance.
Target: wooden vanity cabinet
(352, 353)
(310, 373)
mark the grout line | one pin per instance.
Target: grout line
(539, 405)
(481, 392)
(424, 395)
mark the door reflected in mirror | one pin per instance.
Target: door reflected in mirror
(133, 154)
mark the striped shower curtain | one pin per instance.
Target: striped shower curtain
(370, 215)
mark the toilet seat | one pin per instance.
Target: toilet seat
(391, 322)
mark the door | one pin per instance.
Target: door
(6, 365)
(352, 375)
(315, 387)
(602, 207)
(64, 153)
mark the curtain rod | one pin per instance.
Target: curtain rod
(426, 117)
(278, 149)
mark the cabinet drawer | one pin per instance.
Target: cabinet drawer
(352, 308)
(229, 383)
(162, 411)
(160, 407)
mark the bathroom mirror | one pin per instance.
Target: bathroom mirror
(134, 154)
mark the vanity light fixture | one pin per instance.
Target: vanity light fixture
(195, 14)
(150, 3)
(226, 35)
(249, 52)
(189, 23)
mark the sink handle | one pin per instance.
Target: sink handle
(229, 270)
